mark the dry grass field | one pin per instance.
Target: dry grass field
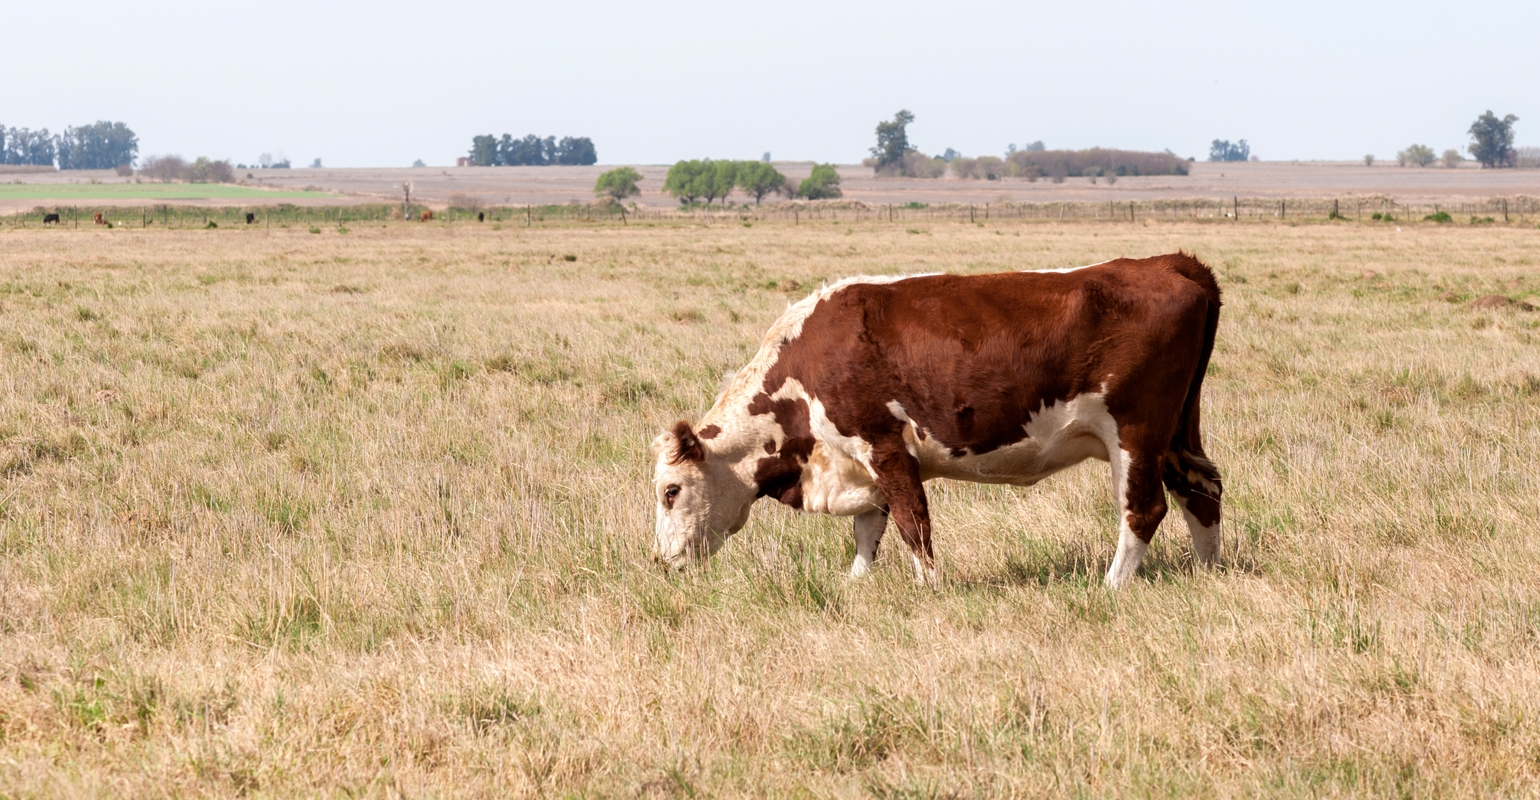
(369, 514)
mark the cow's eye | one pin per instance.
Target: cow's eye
(669, 494)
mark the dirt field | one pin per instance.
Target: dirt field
(560, 185)
(368, 514)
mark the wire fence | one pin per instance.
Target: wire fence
(1368, 208)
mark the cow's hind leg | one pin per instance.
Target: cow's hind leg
(869, 527)
(1194, 482)
(898, 478)
(1141, 506)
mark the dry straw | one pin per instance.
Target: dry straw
(361, 514)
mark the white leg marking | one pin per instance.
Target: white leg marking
(1130, 547)
(1126, 562)
(1205, 538)
(869, 526)
(924, 576)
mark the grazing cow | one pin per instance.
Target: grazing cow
(50, 219)
(426, 215)
(870, 387)
(481, 216)
(99, 220)
(250, 217)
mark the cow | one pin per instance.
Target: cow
(50, 219)
(99, 220)
(870, 387)
(481, 216)
(426, 216)
(250, 217)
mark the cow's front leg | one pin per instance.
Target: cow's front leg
(869, 527)
(898, 478)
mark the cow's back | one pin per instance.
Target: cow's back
(971, 365)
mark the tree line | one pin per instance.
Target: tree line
(894, 156)
(102, 145)
(532, 151)
(705, 179)
(697, 179)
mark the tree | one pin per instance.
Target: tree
(719, 180)
(758, 179)
(1452, 158)
(823, 184)
(684, 180)
(892, 141)
(618, 184)
(1222, 150)
(484, 151)
(1419, 154)
(23, 146)
(575, 151)
(103, 145)
(1492, 140)
(1368, 159)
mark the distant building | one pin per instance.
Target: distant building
(464, 161)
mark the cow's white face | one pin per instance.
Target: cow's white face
(701, 501)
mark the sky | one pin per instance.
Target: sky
(383, 83)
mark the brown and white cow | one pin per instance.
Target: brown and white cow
(870, 387)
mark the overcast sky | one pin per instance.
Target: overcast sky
(382, 83)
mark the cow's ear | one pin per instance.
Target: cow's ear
(687, 446)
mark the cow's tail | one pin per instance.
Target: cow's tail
(1189, 473)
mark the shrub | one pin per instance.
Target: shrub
(1418, 154)
(962, 167)
(205, 170)
(822, 184)
(1527, 157)
(915, 164)
(1368, 159)
(124, 170)
(464, 202)
(1452, 158)
(164, 168)
(1439, 217)
(1059, 164)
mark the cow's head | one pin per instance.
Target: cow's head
(701, 499)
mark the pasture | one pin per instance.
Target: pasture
(13, 193)
(369, 514)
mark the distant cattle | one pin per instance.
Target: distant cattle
(426, 215)
(50, 219)
(98, 219)
(481, 216)
(250, 217)
(872, 386)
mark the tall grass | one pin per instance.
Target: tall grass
(369, 514)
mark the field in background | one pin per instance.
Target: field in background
(518, 186)
(12, 193)
(368, 513)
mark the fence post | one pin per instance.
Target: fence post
(1130, 211)
(1505, 209)
(1236, 214)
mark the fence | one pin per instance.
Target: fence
(1516, 209)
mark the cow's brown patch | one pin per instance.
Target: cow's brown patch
(709, 432)
(688, 447)
(779, 474)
